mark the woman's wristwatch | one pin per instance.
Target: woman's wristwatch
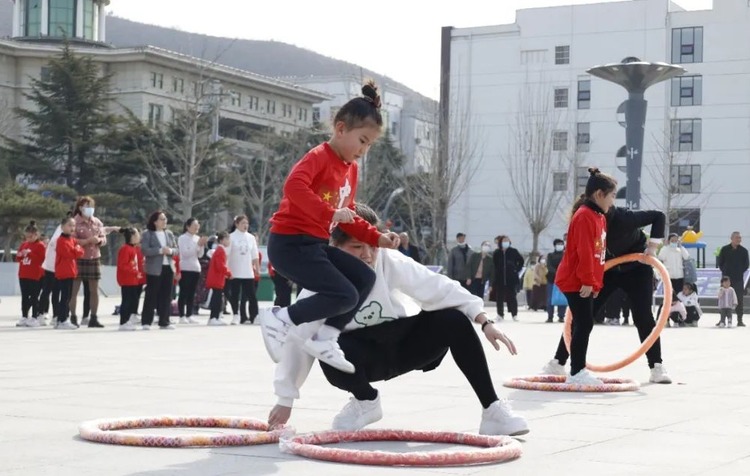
(485, 323)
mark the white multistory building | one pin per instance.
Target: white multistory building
(697, 133)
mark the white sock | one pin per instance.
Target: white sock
(327, 333)
(283, 314)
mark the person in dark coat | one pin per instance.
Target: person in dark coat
(733, 262)
(407, 248)
(508, 263)
(553, 261)
(458, 261)
(480, 270)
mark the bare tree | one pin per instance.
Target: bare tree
(539, 141)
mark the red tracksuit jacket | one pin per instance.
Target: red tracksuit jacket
(583, 261)
(317, 185)
(129, 266)
(68, 251)
(218, 271)
(30, 257)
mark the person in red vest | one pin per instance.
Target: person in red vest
(30, 257)
(66, 270)
(218, 273)
(130, 276)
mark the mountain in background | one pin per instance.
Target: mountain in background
(269, 58)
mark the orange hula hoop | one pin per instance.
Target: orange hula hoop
(660, 324)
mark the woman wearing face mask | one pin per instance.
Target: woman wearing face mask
(507, 263)
(553, 262)
(480, 270)
(91, 235)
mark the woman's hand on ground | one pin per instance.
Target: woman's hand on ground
(279, 416)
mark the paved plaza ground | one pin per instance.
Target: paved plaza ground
(50, 381)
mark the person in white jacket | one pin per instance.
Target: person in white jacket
(49, 283)
(191, 248)
(244, 265)
(410, 321)
(673, 255)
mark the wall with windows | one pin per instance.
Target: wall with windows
(79, 19)
(697, 135)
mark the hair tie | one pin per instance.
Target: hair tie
(375, 102)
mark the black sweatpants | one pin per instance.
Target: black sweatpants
(341, 281)
(129, 305)
(188, 286)
(582, 310)
(738, 283)
(243, 296)
(66, 289)
(385, 351)
(158, 297)
(638, 284)
(217, 303)
(29, 296)
(507, 294)
(49, 291)
(283, 291)
(477, 287)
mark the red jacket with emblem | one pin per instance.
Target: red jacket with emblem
(68, 251)
(30, 257)
(129, 266)
(218, 271)
(316, 187)
(583, 260)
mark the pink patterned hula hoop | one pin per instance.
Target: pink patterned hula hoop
(556, 383)
(108, 431)
(495, 449)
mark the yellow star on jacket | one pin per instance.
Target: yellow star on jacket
(327, 197)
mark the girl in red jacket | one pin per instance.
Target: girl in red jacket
(66, 270)
(319, 194)
(129, 277)
(218, 273)
(581, 271)
(30, 257)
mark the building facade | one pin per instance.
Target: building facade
(696, 162)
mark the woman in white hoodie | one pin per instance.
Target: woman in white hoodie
(673, 256)
(244, 266)
(410, 321)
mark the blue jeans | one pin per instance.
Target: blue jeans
(561, 310)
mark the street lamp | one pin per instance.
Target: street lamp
(635, 76)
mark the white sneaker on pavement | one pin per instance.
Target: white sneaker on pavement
(146, 328)
(329, 352)
(128, 326)
(216, 322)
(553, 367)
(584, 377)
(191, 320)
(22, 322)
(183, 320)
(357, 414)
(274, 332)
(66, 324)
(499, 419)
(659, 375)
(235, 320)
(32, 322)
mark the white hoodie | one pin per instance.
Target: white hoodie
(403, 288)
(673, 260)
(242, 250)
(51, 252)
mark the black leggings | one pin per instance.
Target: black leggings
(582, 310)
(341, 281)
(49, 290)
(283, 291)
(29, 296)
(385, 351)
(638, 284)
(158, 297)
(188, 286)
(66, 289)
(509, 295)
(242, 295)
(216, 304)
(129, 306)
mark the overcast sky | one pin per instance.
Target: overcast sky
(397, 38)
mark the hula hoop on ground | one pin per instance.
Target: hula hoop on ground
(556, 383)
(107, 431)
(495, 449)
(660, 324)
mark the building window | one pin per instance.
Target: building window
(178, 85)
(682, 218)
(235, 98)
(62, 18)
(559, 181)
(89, 18)
(302, 114)
(686, 135)
(44, 74)
(33, 18)
(155, 114)
(560, 140)
(316, 114)
(584, 94)
(562, 54)
(583, 136)
(686, 179)
(157, 80)
(561, 97)
(270, 106)
(687, 90)
(582, 178)
(394, 129)
(687, 45)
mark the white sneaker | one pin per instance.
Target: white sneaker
(499, 419)
(128, 326)
(134, 320)
(146, 328)
(191, 320)
(329, 352)
(32, 322)
(515, 318)
(553, 367)
(357, 414)
(584, 377)
(66, 324)
(216, 322)
(183, 320)
(235, 320)
(22, 322)
(659, 375)
(42, 319)
(85, 322)
(247, 323)
(169, 327)
(274, 332)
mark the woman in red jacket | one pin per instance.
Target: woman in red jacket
(66, 270)
(30, 257)
(581, 271)
(218, 273)
(129, 277)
